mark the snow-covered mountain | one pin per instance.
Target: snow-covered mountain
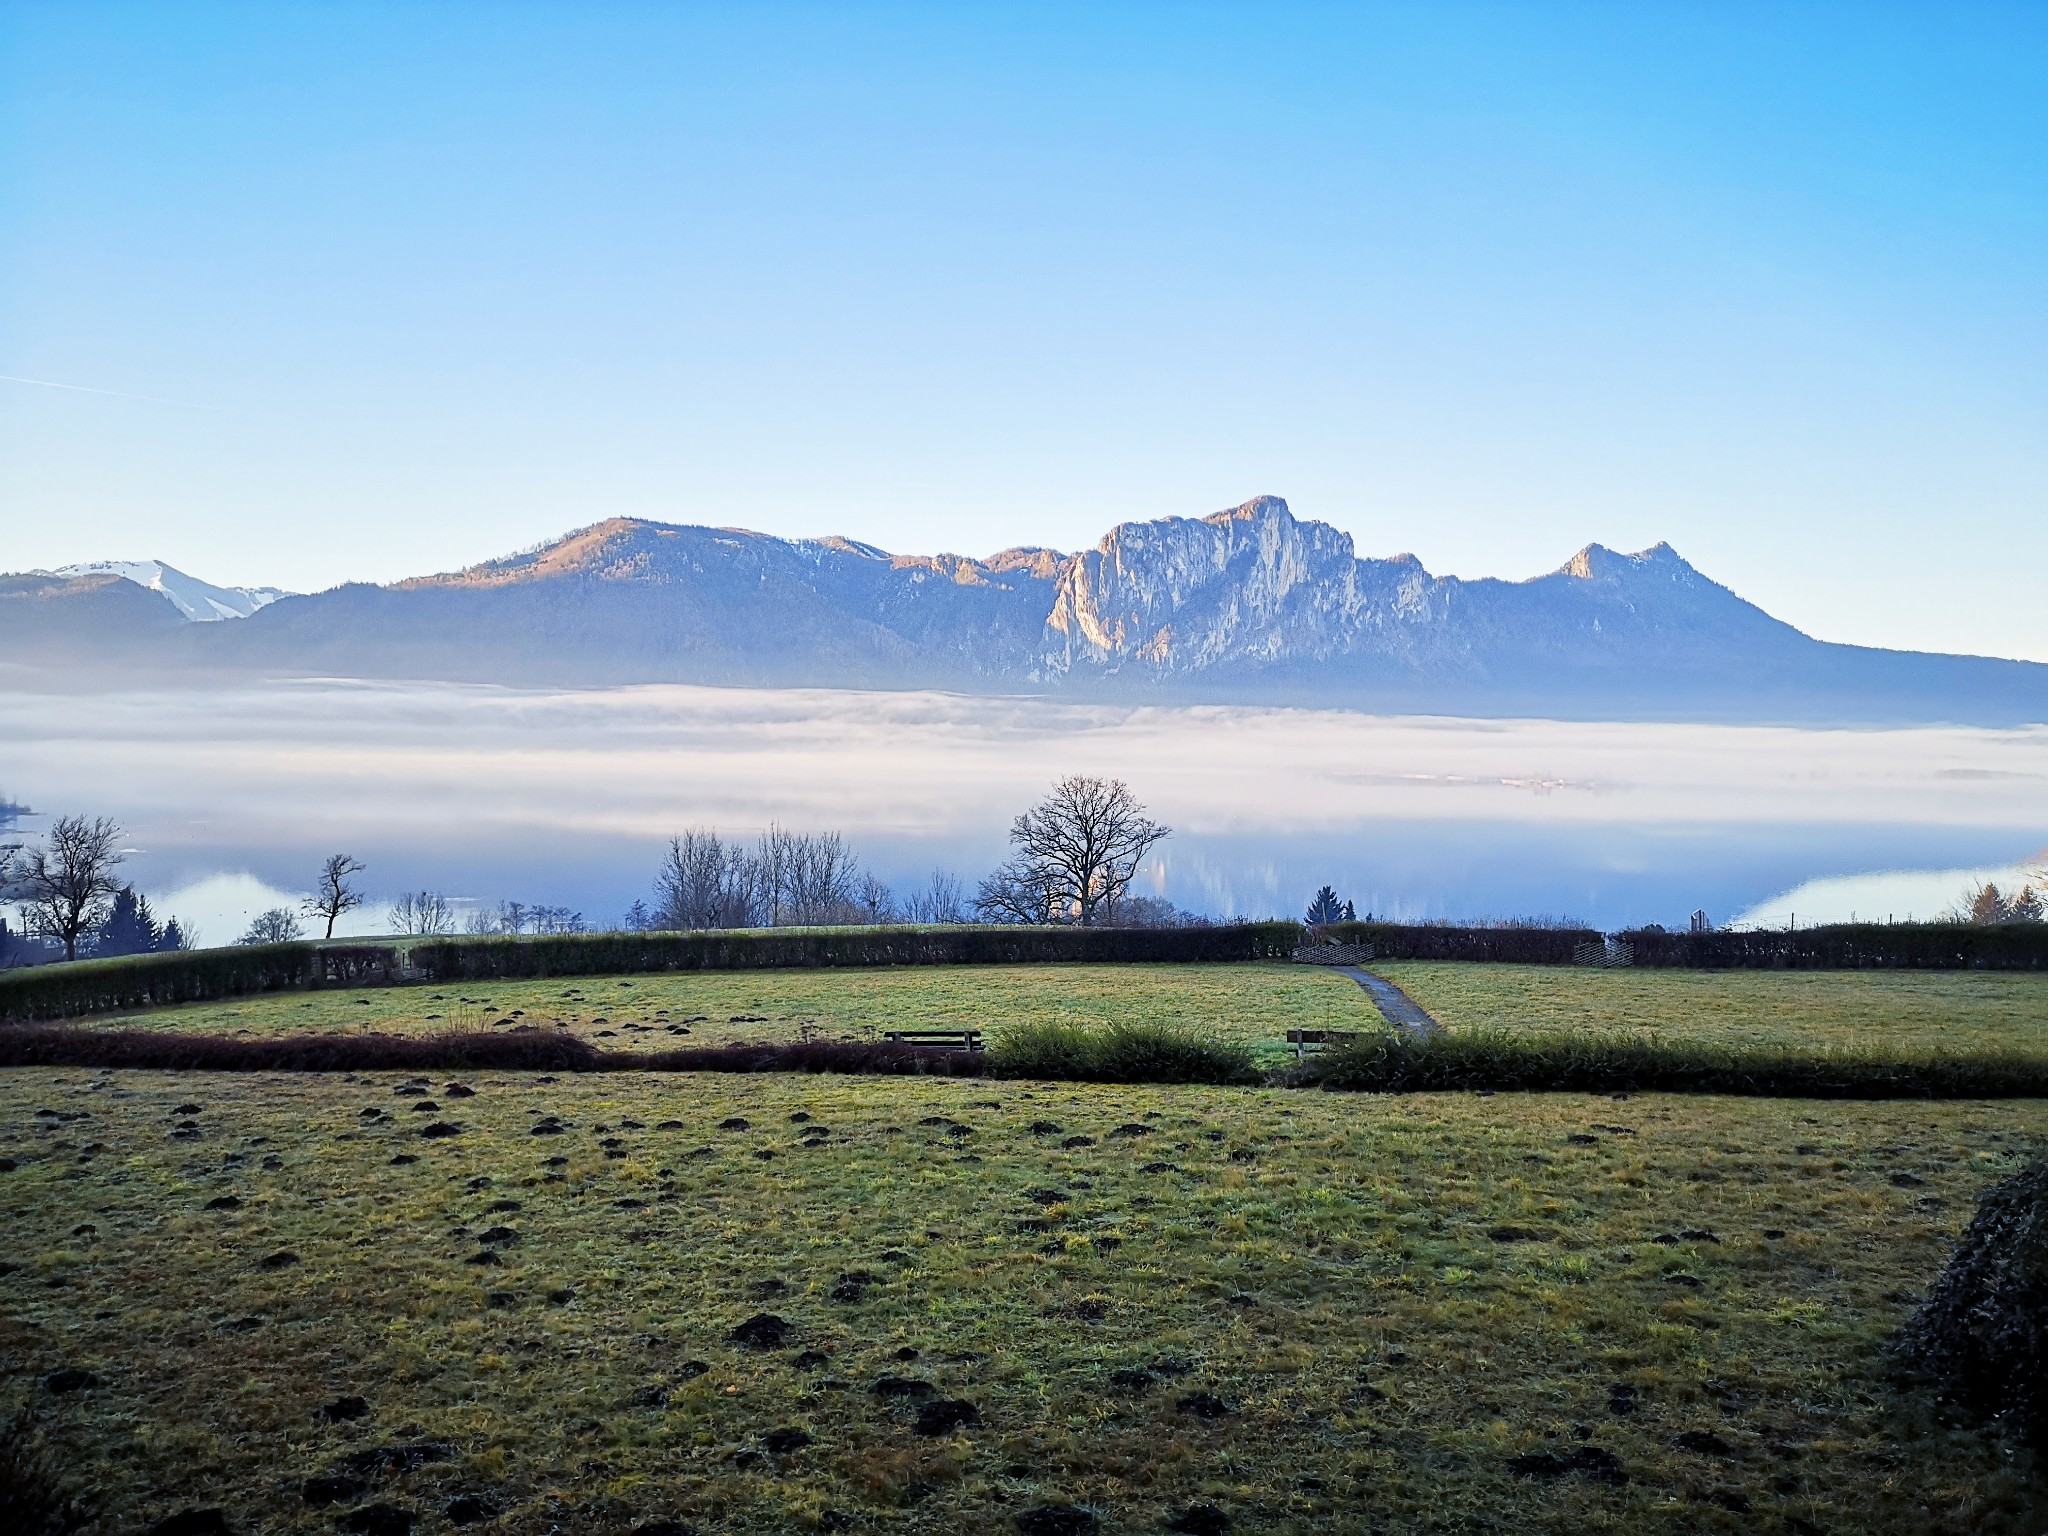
(200, 601)
(1249, 605)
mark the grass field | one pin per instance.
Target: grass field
(1309, 1311)
(1957, 1011)
(1256, 1003)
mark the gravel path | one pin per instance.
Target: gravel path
(1401, 1010)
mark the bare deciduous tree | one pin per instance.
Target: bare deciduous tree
(422, 912)
(703, 882)
(280, 925)
(787, 878)
(333, 895)
(66, 887)
(1076, 852)
(938, 900)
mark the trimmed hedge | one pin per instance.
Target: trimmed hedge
(1131, 1053)
(1421, 941)
(43, 1045)
(81, 987)
(612, 954)
(1853, 947)
(1559, 1063)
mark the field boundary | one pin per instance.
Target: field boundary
(1442, 1063)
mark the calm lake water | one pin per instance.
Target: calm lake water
(230, 796)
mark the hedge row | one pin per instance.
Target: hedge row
(46, 1045)
(209, 975)
(188, 976)
(611, 954)
(1853, 947)
(1519, 946)
(1559, 1063)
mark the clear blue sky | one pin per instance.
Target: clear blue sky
(410, 285)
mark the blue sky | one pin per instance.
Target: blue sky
(408, 286)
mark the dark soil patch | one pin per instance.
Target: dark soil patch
(468, 1509)
(1199, 1520)
(782, 1442)
(319, 1492)
(499, 1235)
(1703, 1442)
(343, 1409)
(1046, 1196)
(811, 1360)
(764, 1330)
(192, 1522)
(440, 1130)
(1057, 1520)
(942, 1416)
(690, 1370)
(735, 1124)
(649, 1397)
(224, 1203)
(1621, 1400)
(392, 1460)
(378, 1520)
(1204, 1405)
(901, 1386)
(761, 1290)
(70, 1379)
(1511, 1234)
(1078, 1141)
(284, 1258)
(852, 1285)
(1132, 1379)
(1047, 1128)
(1129, 1131)
(1588, 1461)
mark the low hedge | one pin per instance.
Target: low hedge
(46, 1045)
(1852, 947)
(1555, 1063)
(80, 987)
(611, 954)
(1424, 941)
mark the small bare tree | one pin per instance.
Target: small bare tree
(1075, 853)
(66, 887)
(938, 900)
(280, 925)
(333, 895)
(422, 912)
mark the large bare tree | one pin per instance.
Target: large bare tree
(422, 912)
(1074, 855)
(66, 887)
(333, 895)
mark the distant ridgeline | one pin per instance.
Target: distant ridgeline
(1249, 605)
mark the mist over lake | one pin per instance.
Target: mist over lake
(566, 796)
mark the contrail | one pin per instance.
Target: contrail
(118, 394)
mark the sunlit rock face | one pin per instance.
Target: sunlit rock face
(1253, 584)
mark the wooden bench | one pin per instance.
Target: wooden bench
(938, 1039)
(1306, 1040)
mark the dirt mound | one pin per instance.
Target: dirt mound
(1981, 1337)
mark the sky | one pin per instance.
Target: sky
(360, 291)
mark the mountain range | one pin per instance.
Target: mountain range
(1249, 605)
